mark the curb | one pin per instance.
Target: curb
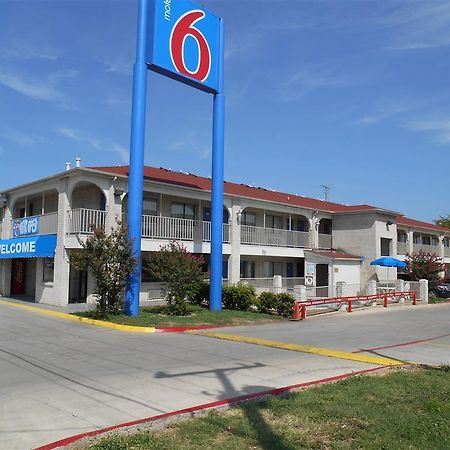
(204, 407)
(99, 323)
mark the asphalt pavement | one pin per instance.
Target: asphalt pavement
(59, 378)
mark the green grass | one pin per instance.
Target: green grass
(435, 300)
(156, 316)
(404, 409)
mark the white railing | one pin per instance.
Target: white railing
(159, 227)
(402, 248)
(426, 248)
(273, 237)
(84, 221)
(325, 240)
(206, 232)
(168, 228)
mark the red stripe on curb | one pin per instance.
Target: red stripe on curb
(205, 406)
(401, 344)
(182, 329)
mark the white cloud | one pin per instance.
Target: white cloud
(418, 25)
(193, 142)
(26, 51)
(439, 129)
(45, 90)
(94, 143)
(17, 137)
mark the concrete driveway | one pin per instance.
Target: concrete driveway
(59, 378)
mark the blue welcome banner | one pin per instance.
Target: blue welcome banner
(30, 247)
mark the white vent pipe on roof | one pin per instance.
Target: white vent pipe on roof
(68, 165)
(78, 162)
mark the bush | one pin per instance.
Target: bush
(267, 302)
(285, 304)
(180, 271)
(198, 293)
(240, 297)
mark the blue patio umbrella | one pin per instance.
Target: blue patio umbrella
(388, 262)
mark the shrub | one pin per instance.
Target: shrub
(426, 266)
(285, 304)
(110, 259)
(198, 293)
(179, 270)
(240, 297)
(267, 302)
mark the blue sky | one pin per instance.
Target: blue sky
(351, 94)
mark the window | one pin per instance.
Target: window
(402, 237)
(248, 218)
(268, 269)
(149, 207)
(434, 240)
(426, 240)
(183, 211)
(49, 270)
(417, 239)
(446, 242)
(301, 225)
(247, 269)
(273, 221)
(146, 275)
(207, 215)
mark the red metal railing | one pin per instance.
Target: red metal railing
(300, 307)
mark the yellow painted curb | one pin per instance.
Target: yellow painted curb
(86, 320)
(378, 360)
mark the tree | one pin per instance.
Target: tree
(443, 221)
(109, 257)
(180, 271)
(425, 266)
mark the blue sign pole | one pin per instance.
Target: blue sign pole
(136, 175)
(215, 303)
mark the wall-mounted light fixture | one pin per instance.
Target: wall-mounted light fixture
(118, 192)
(238, 216)
(388, 224)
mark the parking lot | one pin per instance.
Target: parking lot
(60, 378)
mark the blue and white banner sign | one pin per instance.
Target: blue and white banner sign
(183, 43)
(27, 226)
(29, 247)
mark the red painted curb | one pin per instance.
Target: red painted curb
(193, 328)
(418, 341)
(205, 406)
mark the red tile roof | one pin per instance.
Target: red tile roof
(333, 254)
(401, 220)
(240, 190)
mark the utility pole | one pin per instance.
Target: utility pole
(326, 191)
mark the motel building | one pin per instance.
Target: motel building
(268, 237)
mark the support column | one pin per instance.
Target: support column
(314, 232)
(234, 262)
(423, 291)
(60, 295)
(113, 210)
(410, 241)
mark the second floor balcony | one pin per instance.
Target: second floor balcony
(37, 225)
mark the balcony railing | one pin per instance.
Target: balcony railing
(84, 221)
(206, 232)
(426, 248)
(156, 227)
(402, 248)
(325, 240)
(273, 237)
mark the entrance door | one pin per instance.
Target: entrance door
(77, 286)
(18, 276)
(322, 279)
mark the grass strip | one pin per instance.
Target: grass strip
(157, 316)
(403, 409)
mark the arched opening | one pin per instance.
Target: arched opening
(325, 233)
(88, 208)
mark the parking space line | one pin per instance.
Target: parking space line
(378, 360)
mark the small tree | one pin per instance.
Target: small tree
(109, 257)
(443, 221)
(179, 270)
(425, 266)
